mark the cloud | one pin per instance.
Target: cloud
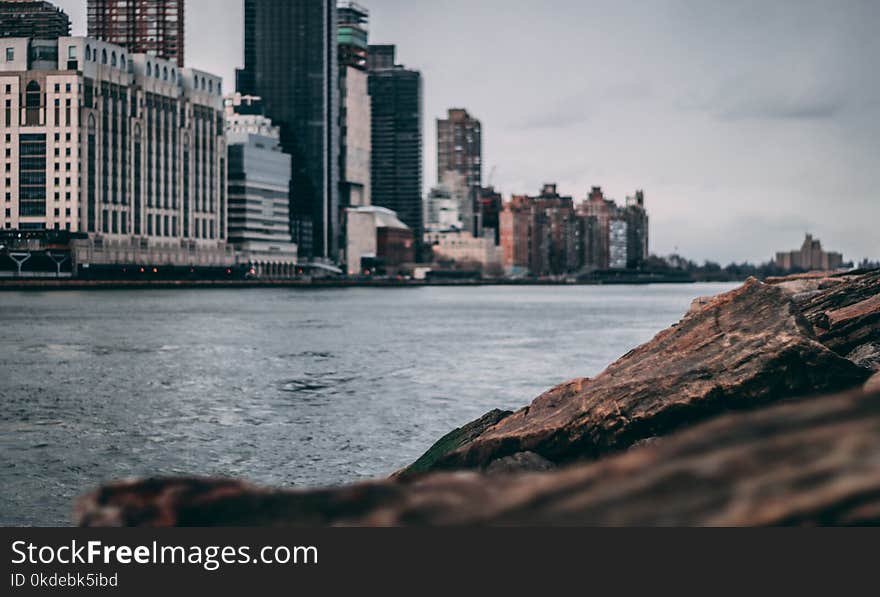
(579, 107)
(769, 95)
(569, 111)
(779, 106)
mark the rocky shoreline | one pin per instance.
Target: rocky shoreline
(760, 407)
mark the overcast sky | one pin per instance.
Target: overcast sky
(748, 123)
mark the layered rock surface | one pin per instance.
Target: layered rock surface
(740, 350)
(810, 462)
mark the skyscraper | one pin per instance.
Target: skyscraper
(459, 149)
(290, 61)
(32, 18)
(354, 115)
(153, 27)
(396, 96)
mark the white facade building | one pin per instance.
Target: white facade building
(259, 183)
(128, 149)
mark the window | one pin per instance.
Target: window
(71, 53)
(104, 56)
(10, 54)
(32, 100)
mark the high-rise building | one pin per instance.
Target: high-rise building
(598, 212)
(460, 149)
(636, 230)
(259, 184)
(490, 204)
(127, 149)
(152, 27)
(290, 61)
(460, 146)
(548, 235)
(32, 18)
(396, 97)
(541, 235)
(354, 109)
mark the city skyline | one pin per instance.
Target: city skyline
(744, 132)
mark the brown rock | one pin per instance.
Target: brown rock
(744, 349)
(820, 275)
(520, 463)
(803, 287)
(801, 463)
(846, 316)
(873, 384)
(855, 289)
(866, 355)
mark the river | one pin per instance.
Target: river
(284, 387)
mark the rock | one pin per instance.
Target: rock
(846, 329)
(846, 316)
(804, 287)
(648, 441)
(698, 303)
(520, 462)
(866, 355)
(820, 275)
(742, 350)
(855, 289)
(810, 462)
(873, 384)
(452, 441)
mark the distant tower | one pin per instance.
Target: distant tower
(33, 19)
(460, 150)
(460, 147)
(290, 61)
(354, 106)
(153, 27)
(396, 96)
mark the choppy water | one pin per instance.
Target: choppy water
(282, 387)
